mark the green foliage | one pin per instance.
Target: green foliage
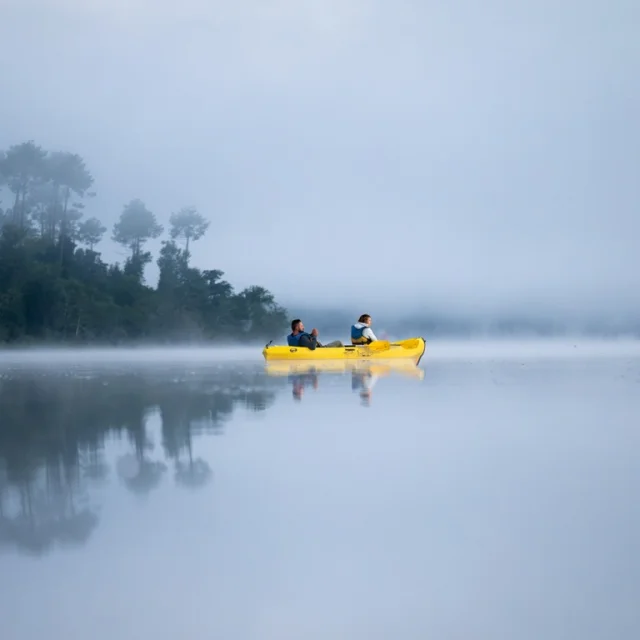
(90, 232)
(53, 290)
(136, 225)
(42, 185)
(188, 224)
(22, 169)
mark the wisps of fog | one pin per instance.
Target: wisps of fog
(448, 322)
(437, 349)
(143, 356)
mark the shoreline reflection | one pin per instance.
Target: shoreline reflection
(64, 433)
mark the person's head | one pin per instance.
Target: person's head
(365, 318)
(297, 326)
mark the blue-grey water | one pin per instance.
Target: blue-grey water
(493, 492)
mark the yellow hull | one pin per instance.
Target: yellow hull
(411, 349)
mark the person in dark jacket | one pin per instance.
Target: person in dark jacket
(300, 338)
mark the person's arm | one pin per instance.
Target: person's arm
(368, 333)
(311, 342)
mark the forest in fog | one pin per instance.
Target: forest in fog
(54, 286)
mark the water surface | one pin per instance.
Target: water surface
(491, 493)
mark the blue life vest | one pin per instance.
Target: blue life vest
(294, 341)
(357, 334)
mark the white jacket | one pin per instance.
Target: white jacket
(367, 333)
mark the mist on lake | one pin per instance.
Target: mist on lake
(351, 499)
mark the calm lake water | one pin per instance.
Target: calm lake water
(493, 492)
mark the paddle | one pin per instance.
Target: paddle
(409, 343)
(379, 345)
(384, 345)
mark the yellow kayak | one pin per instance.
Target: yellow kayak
(410, 349)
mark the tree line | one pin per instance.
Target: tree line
(54, 286)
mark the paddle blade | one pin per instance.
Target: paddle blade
(379, 345)
(410, 343)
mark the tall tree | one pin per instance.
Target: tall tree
(188, 224)
(3, 178)
(136, 225)
(69, 175)
(173, 265)
(40, 204)
(2, 182)
(90, 232)
(22, 168)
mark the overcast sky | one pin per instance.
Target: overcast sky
(353, 152)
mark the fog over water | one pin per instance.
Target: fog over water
(441, 349)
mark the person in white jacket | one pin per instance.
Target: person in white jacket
(361, 332)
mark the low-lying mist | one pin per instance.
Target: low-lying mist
(440, 322)
(205, 354)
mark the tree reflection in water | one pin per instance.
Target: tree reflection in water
(56, 428)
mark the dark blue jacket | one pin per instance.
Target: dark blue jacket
(302, 340)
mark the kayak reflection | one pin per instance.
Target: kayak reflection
(364, 374)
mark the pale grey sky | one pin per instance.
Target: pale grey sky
(469, 154)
